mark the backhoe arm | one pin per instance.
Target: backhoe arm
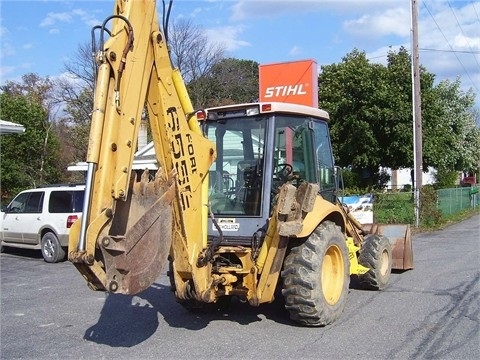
(129, 221)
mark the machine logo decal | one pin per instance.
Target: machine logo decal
(227, 224)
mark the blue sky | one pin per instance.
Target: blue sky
(40, 36)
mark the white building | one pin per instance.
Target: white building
(400, 178)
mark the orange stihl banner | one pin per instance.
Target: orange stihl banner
(291, 82)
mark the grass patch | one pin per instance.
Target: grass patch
(394, 208)
(445, 221)
(398, 208)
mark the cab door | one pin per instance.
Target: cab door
(324, 161)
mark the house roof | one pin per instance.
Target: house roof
(143, 159)
(8, 127)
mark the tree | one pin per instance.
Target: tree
(75, 90)
(396, 128)
(452, 138)
(190, 50)
(28, 159)
(194, 56)
(31, 103)
(230, 81)
(371, 116)
(36, 89)
(50, 95)
(354, 93)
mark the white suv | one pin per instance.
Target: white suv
(41, 219)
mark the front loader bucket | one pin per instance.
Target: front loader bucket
(400, 238)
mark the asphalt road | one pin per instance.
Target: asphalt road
(431, 312)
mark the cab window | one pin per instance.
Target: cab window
(237, 174)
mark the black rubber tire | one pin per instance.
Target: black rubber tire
(52, 251)
(312, 297)
(376, 254)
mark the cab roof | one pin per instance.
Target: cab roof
(249, 109)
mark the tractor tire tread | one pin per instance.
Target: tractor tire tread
(301, 278)
(371, 257)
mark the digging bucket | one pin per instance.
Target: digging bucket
(400, 237)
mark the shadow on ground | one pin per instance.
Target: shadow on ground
(127, 320)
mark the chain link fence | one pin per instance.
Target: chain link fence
(451, 201)
(399, 207)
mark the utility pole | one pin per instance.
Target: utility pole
(417, 114)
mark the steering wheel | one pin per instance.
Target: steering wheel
(283, 172)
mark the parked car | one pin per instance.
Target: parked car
(41, 219)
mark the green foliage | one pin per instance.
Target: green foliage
(36, 89)
(28, 159)
(445, 178)
(452, 138)
(370, 107)
(370, 111)
(454, 218)
(398, 208)
(429, 213)
(76, 126)
(394, 208)
(230, 81)
(346, 91)
(354, 190)
(363, 179)
(350, 178)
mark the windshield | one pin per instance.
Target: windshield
(254, 157)
(235, 184)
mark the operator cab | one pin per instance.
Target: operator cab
(261, 146)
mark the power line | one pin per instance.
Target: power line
(451, 51)
(430, 49)
(450, 46)
(476, 13)
(461, 29)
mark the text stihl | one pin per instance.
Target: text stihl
(284, 90)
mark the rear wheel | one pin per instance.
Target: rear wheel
(316, 277)
(52, 251)
(376, 254)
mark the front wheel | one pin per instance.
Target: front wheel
(316, 276)
(376, 254)
(52, 251)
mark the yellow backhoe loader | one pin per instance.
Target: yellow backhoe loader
(245, 198)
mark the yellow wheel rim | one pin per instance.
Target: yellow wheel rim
(384, 262)
(333, 274)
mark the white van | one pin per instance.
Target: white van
(41, 219)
